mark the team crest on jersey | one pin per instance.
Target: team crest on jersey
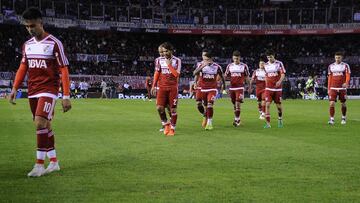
(47, 49)
(37, 63)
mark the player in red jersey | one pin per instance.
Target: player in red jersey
(239, 73)
(259, 77)
(43, 59)
(208, 72)
(338, 82)
(275, 74)
(198, 97)
(167, 73)
(148, 85)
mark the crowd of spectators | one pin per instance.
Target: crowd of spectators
(133, 53)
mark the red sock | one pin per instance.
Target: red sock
(263, 109)
(237, 113)
(201, 109)
(343, 110)
(173, 119)
(332, 111)
(209, 112)
(163, 116)
(51, 147)
(42, 144)
(267, 116)
(260, 107)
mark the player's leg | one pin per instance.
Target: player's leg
(277, 101)
(51, 152)
(238, 101)
(200, 106)
(259, 99)
(342, 98)
(233, 101)
(173, 101)
(210, 96)
(332, 100)
(268, 100)
(43, 113)
(263, 104)
(160, 106)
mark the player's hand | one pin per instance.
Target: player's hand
(12, 97)
(153, 91)
(168, 61)
(345, 85)
(278, 83)
(66, 104)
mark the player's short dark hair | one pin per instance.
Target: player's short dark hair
(339, 53)
(32, 13)
(269, 52)
(236, 53)
(167, 45)
(207, 53)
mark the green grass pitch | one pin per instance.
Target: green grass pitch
(112, 151)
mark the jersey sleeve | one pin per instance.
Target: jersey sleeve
(157, 65)
(329, 70)
(178, 68)
(281, 68)
(246, 71)
(23, 57)
(347, 69)
(227, 71)
(253, 77)
(59, 54)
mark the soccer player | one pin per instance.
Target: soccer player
(103, 87)
(208, 72)
(166, 77)
(43, 58)
(148, 84)
(275, 74)
(161, 54)
(259, 78)
(338, 82)
(239, 73)
(198, 97)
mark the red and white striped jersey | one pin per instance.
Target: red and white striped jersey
(273, 74)
(43, 60)
(338, 73)
(166, 78)
(208, 77)
(259, 77)
(238, 74)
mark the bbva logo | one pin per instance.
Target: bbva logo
(37, 63)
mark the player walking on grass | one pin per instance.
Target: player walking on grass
(208, 72)
(43, 58)
(198, 97)
(239, 73)
(166, 77)
(161, 54)
(338, 82)
(275, 74)
(259, 77)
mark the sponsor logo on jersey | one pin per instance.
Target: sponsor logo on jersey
(37, 63)
(165, 71)
(338, 74)
(273, 74)
(208, 76)
(235, 74)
